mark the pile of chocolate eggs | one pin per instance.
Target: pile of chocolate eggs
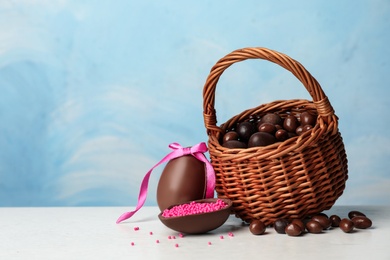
(316, 224)
(268, 129)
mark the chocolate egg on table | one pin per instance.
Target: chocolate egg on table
(361, 222)
(280, 225)
(355, 213)
(257, 227)
(314, 227)
(183, 179)
(198, 223)
(346, 225)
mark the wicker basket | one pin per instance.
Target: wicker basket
(299, 177)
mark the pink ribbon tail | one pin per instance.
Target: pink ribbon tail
(198, 152)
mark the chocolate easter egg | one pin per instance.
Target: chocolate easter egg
(183, 179)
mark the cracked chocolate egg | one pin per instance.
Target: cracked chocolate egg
(199, 222)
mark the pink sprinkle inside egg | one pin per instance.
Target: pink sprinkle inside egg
(136, 228)
(176, 245)
(132, 243)
(221, 237)
(193, 208)
(230, 234)
(181, 235)
(157, 241)
(209, 243)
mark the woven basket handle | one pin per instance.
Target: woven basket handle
(324, 108)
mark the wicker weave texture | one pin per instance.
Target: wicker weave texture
(301, 176)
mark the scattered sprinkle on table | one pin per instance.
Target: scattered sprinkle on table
(181, 235)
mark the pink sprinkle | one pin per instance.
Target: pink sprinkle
(150, 233)
(157, 241)
(221, 237)
(136, 228)
(193, 208)
(169, 237)
(132, 243)
(173, 237)
(230, 234)
(176, 245)
(181, 235)
(209, 243)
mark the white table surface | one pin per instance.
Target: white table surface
(91, 233)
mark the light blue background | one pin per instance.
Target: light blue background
(92, 92)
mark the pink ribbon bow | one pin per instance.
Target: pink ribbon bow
(178, 151)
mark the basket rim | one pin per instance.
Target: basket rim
(276, 150)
